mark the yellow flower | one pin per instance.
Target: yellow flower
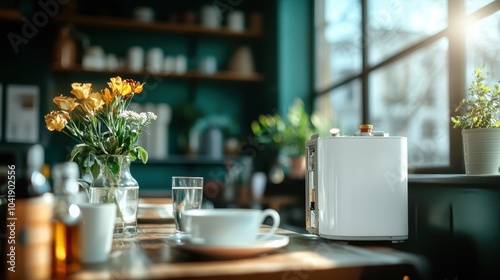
(100, 120)
(119, 87)
(56, 120)
(116, 84)
(94, 102)
(65, 103)
(108, 96)
(81, 91)
(125, 90)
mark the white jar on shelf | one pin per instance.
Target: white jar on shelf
(112, 62)
(135, 59)
(94, 59)
(169, 64)
(210, 16)
(208, 65)
(236, 21)
(180, 64)
(154, 60)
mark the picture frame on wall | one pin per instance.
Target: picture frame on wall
(22, 118)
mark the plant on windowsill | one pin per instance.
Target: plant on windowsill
(288, 133)
(479, 124)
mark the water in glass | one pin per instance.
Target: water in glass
(185, 198)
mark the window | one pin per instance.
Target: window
(403, 66)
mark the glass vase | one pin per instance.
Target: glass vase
(115, 184)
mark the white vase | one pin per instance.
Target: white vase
(481, 151)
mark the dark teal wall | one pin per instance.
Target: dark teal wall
(33, 66)
(294, 51)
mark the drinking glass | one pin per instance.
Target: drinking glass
(187, 193)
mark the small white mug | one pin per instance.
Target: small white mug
(229, 227)
(96, 231)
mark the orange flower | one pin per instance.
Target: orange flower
(81, 91)
(65, 103)
(56, 120)
(137, 87)
(108, 96)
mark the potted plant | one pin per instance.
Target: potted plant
(288, 134)
(479, 124)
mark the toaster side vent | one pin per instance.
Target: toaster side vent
(311, 181)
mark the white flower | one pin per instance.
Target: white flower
(141, 120)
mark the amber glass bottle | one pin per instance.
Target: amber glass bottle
(65, 228)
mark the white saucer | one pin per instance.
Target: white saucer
(182, 242)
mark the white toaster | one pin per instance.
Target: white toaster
(357, 186)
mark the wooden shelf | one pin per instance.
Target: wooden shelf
(195, 75)
(163, 27)
(10, 14)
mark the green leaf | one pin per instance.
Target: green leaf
(143, 154)
(77, 149)
(81, 155)
(113, 166)
(95, 169)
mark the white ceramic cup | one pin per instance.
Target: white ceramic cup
(229, 227)
(96, 231)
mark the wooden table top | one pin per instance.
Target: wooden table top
(149, 256)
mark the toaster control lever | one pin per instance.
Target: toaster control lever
(335, 132)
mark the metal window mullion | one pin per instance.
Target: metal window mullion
(456, 75)
(364, 69)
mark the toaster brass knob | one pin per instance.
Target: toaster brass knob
(365, 128)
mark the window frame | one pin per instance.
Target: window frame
(456, 69)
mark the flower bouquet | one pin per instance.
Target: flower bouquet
(106, 130)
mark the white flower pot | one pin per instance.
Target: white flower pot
(481, 151)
